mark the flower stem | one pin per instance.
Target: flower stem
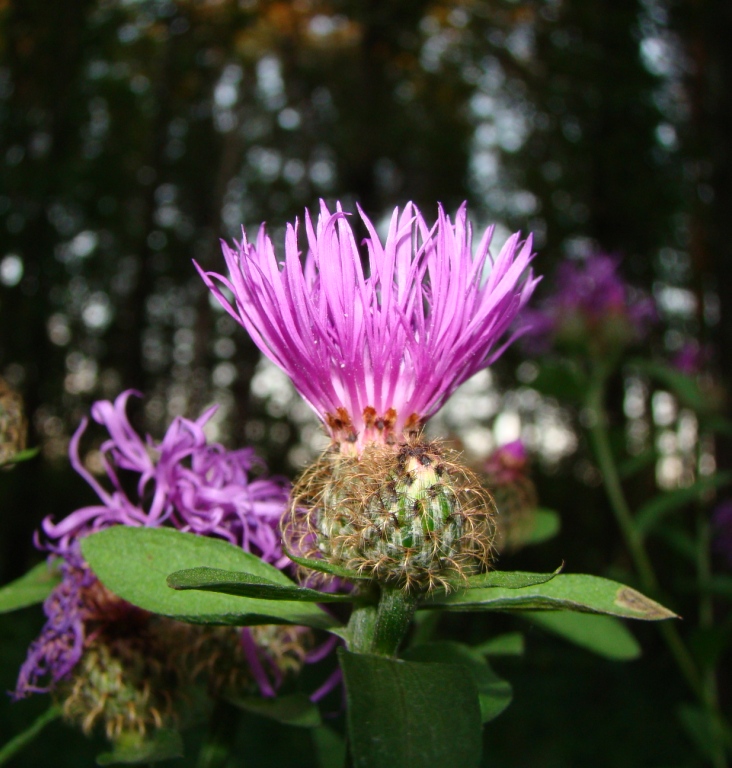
(218, 748)
(691, 673)
(22, 739)
(380, 628)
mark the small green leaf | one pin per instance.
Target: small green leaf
(330, 747)
(135, 562)
(683, 386)
(546, 525)
(650, 514)
(560, 378)
(248, 585)
(324, 567)
(405, 714)
(508, 579)
(604, 635)
(34, 587)
(508, 644)
(569, 592)
(705, 731)
(133, 749)
(494, 693)
(295, 709)
(637, 463)
(28, 453)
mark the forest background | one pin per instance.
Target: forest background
(136, 133)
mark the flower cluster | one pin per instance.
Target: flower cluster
(377, 352)
(182, 481)
(592, 308)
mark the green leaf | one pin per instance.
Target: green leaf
(637, 463)
(569, 592)
(508, 644)
(560, 378)
(28, 453)
(324, 567)
(650, 514)
(704, 731)
(508, 579)
(404, 714)
(295, 709)
(330, 747)
(494, 693)
(135, 562)
(683, 386)
(604, 635)
(132, 749)
(546, 525)
(34, 587)
(248, 585)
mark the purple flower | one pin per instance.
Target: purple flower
(58, 648)
(183, 481)
(377, 352)
(592, 306)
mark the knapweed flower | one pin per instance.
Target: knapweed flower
(514, 493)
(376, 351)
(593, 309)
(110, 661)
(182, 481)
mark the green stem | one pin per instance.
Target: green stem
(218, 748)
(22, 739)
(631, 535)
(380, 628)
(634, 541)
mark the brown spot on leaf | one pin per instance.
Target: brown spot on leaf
(648, 609)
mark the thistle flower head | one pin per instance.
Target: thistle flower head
(377, 351)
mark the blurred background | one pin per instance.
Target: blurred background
(136, 133)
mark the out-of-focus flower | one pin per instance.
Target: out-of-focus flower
(691, 358)
(182, 481)
(514, 493)
(376, 353)
(105, 657)
(592, 309)
(722, 527)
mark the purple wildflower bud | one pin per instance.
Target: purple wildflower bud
(508, 463)
(514, 493)
(377, 352)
